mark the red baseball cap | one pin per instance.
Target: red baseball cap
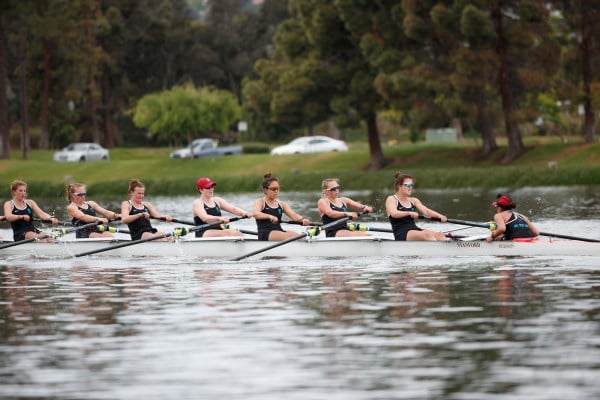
(205, 183)
(502, 201)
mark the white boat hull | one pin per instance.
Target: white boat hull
(228, 248)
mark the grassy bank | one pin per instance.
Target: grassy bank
(547, 162)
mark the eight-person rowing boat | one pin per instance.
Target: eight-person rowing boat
(365, 246)
(512, 233)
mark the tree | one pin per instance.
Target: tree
(470, 67)
(4, 121)
(316, 71)
(580, 70)
(183, 111)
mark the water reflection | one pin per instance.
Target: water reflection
(313, 328)
(500, 329)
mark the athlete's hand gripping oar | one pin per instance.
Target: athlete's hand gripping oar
(292, 239)
(490, 225)
(175, 232)
(55, 233)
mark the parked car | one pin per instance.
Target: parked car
(311, 144)
(76, 152)
(205, 148)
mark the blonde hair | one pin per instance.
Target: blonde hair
(326, 181)
(16, 184)
(72, 189)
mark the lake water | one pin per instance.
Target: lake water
(312, 328)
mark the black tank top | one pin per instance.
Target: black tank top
(331, 232)
(401, 226)
(265, 226)
(216, 211)
(85, 232)
(517, 227)
(140, 225)
(21, 227)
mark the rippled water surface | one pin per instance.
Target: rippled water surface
(312, 328)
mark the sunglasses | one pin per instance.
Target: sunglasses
(334, 189)
(274, 189)
(81, 194)
(408, 185)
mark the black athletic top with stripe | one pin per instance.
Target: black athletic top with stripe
(21, 227)
(140, 225)
(331, 232)
(401, 226)
(85, 232)
(265, 226)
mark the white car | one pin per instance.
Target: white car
(76, 152)
(311, 144)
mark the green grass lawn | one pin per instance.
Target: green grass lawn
(546, 162)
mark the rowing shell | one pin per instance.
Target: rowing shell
(317, 247)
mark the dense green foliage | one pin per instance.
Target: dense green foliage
(77, 70)
(180, 113)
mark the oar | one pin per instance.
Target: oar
(351, 226)
(55, 233)
(225, 226)
(311, 223)
(314, 223)
(487, 226)
(175, 232)
(292, 239)
(177, 221)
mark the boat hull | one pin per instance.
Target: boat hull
(228, 248)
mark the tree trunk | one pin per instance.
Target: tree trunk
(486, 127)
(25, 142)
(589, 123)
(44, 139)
(515, 142)
(457, 125)
(108, 102)
(92, 102)
(377, 160)
(4, 122)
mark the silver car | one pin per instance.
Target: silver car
(311, 144)
(76, 152)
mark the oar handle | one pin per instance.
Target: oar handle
(247, 232)
(314, 223)
(177, 221)
(192, 223)
(458, 222)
